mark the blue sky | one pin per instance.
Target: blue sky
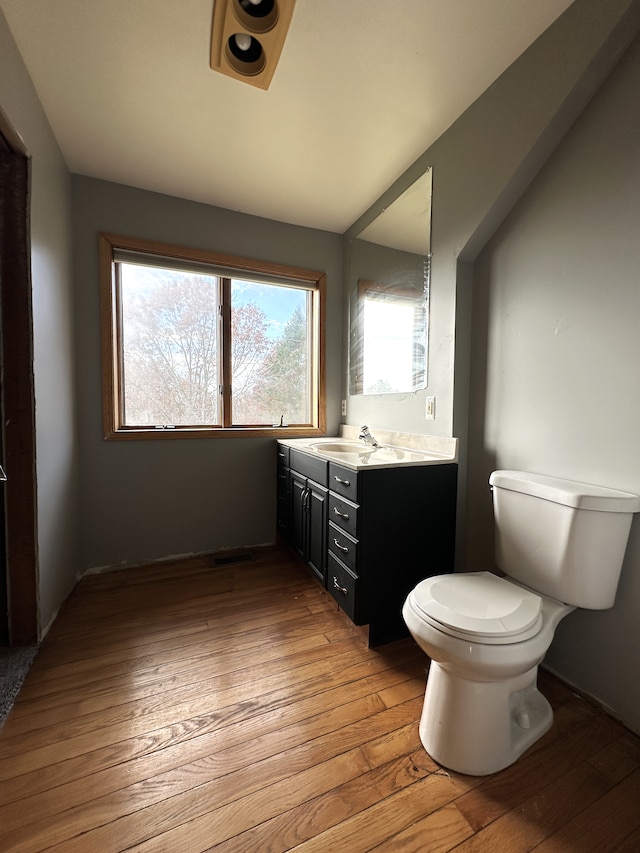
(278, 303)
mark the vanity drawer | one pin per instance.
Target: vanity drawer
(284, 485)
(342, 546)
(309, 466)
(283, 454)
(343, 586)
(343, 481)
(343, 514)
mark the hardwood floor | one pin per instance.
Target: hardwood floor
(187, 708)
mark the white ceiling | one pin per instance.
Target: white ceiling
(362, 88)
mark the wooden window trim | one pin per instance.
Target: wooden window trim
(112, 349)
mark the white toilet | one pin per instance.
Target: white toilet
(561, 545)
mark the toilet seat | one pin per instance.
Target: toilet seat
(479, 607)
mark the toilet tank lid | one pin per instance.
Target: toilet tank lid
(567, 492)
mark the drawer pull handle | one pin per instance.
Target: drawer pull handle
(336, 585)
(341, 514)
(338, 545)
(343, 482)
(281, 455)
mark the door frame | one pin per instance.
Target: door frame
(17, 405)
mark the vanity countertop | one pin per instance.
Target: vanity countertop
(394, 449)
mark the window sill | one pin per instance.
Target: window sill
(153, 433)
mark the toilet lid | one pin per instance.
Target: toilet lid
(478, 603)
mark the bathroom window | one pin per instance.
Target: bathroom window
(207, 345)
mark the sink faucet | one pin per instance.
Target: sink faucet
(366, 436)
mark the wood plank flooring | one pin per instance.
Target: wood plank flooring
(186, 708)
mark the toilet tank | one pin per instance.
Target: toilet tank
(562, 538)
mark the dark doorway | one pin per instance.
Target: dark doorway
(4, 600)
(18, 540)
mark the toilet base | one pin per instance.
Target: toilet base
(480, 727)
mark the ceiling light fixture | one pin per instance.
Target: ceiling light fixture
(245, 54)
(260, 3)
(243, 40)
(247, 37)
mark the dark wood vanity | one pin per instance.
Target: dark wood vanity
(368, 535)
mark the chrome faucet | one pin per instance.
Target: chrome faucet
(366, 436)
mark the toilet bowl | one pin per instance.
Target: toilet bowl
(560, 545)
(482, 707)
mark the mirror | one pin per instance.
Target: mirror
(389, 271)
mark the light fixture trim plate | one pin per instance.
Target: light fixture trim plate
(270, 31)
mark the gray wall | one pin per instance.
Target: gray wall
(481, 166)
(555, 357)
(143, 500)
(56, 436)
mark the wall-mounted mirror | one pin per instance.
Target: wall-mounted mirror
(389, 270)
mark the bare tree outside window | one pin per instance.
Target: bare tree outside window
(170, 346)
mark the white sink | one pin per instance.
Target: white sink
(331, 448)
(338, 446)
(347, 452)
(355, 452)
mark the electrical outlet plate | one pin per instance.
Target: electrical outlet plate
(430, 409)
(344, 408)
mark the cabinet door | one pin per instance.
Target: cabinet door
(317, 530)
(298, 514)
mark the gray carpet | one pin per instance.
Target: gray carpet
(15, 662)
